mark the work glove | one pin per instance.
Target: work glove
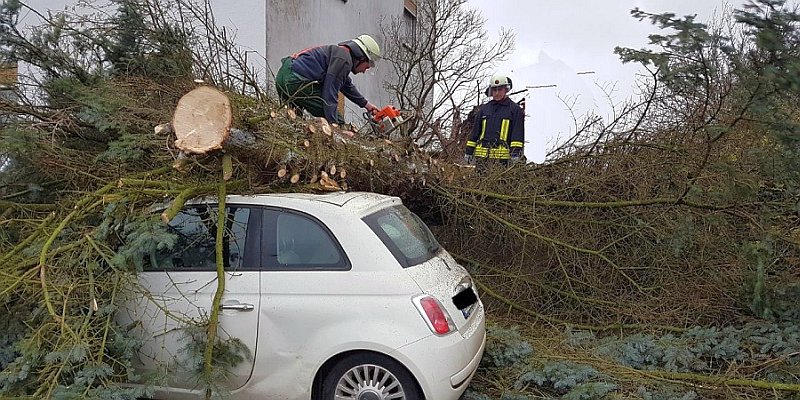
(469, 159)
(517, 157)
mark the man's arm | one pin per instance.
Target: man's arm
(351, 92)
(335, 78)
(477, 127)
(518, 133)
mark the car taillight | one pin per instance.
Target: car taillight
(435, 315)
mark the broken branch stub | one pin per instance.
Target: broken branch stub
(329, 184)
(163, 129)
(202, 120)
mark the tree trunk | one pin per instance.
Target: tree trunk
(202, 120)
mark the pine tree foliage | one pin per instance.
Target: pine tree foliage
(86, 170)
(229, 353)
(709, 350)
(471, 395)
(514, 396)
(679, 211)
(667, 394)
(563, 377)
(655, 208)
(760, 351)
(505, 347)
(690, 190)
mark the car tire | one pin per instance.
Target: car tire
(365, 376)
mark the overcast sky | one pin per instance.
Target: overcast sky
(556, 40)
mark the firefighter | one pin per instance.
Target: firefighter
(312, 78)
(498, 134)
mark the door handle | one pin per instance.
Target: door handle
(237, 307)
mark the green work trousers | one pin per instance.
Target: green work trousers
(298, 91)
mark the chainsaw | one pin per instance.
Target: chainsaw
(385, 122)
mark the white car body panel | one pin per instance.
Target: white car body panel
(301, 319)
(190, 294)
(303, 324)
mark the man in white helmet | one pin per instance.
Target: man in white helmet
(498, 134)
(312, 78)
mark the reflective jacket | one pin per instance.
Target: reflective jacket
(498, 132)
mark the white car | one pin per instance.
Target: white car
(338, 296)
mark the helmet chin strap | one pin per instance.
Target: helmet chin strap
(355, 65)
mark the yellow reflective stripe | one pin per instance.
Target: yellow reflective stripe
(504, 130)
(470, 143)
(517, 144)
(495, 153)
(483, 129)
(500, 153)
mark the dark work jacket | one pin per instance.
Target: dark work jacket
(499, 131)
(329, 65)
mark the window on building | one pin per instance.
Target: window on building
(411, 8)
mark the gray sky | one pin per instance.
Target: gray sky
(555, 40)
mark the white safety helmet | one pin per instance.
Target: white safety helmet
(499, 81)
(370, 48)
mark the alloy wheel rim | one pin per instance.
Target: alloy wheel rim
(369, 382)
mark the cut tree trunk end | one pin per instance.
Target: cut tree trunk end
(202, 120)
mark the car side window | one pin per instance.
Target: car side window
(194, 229)
(300, 242)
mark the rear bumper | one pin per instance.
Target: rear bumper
(444, 366)
(461, 378)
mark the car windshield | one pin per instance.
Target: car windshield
(404, 234)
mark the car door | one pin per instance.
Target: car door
(325, 291)
(179, 285)
(304, 265)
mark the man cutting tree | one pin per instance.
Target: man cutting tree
(312, 78)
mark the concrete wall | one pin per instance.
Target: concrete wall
(293, 25)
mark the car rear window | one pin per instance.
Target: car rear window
(404, 234)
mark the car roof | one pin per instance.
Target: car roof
(357, 203)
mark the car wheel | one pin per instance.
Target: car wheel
(369, 377)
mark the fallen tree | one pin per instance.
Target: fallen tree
(679, 211)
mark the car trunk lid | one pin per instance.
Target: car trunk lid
(447, 281)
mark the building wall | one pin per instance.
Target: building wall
(293, 25)
(276, 28)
